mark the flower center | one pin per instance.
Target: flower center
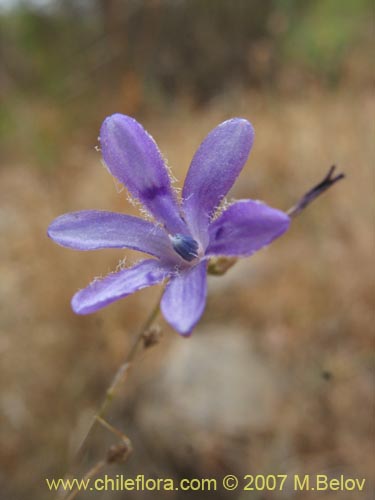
(185, 246)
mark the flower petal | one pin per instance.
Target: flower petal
(133, 157)
(115, 286)
(94, 229)
(184, 299)
(245, 227)
(213, 171)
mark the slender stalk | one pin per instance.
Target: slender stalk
(314, 192)
(116, 454)
(119, 377)
(89, 475)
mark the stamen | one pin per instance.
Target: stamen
(185, 246)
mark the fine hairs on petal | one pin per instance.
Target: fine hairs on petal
(176, 270)
(122, 264)
(134, 202)
(171, 176)
(176, 190)
(96, 279)
(187, 198)
(118, 186)
(223, 204)
(104, 165)
(145, 213)
(158, 224)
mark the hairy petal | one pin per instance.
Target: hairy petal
(184, 299)
(133, 157)
(213, 170)
(115, 286)
(245, 227)
(94, 229)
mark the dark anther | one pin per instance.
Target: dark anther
(185, 246)
(328, 181)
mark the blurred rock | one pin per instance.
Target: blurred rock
(213, 384)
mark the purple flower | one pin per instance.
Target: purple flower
(186, 234)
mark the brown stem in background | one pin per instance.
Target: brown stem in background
(145, 336)
(118, 453)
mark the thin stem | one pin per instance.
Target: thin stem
(115, 431)
(119, 377)
(314, 192)
(89, 475)
(116, 454)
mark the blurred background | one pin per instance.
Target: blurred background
(278, 376)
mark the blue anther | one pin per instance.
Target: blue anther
(185, 246)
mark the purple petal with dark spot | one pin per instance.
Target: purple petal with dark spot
(115, 286)
(184, 299)
(213, 171)
(245, 227)
(133, 157)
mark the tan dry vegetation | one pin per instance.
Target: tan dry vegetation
(301, 401)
